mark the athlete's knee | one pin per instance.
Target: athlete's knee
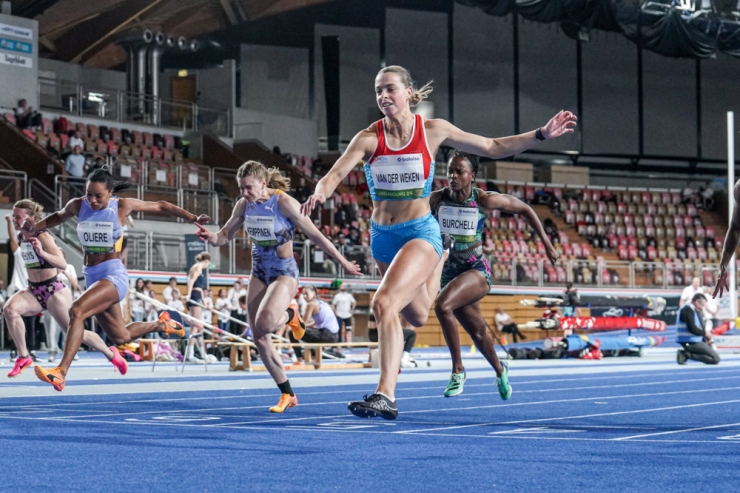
(443, 307)
(12, 311)
(118, 339)
(266, 322)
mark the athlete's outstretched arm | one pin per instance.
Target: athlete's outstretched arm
(496, 148)
(728, 249)
(135, 205)
(291, 209)
(72, 209)
(507, 203)
(229, 230)
(48, 250)
(361, 148)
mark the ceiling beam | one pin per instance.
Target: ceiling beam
(229, 11)
(81, 43)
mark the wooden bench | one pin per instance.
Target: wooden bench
(310, 362)
(146, 346)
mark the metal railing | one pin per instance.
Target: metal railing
(13, 184)
(122, 106)
(42, 194)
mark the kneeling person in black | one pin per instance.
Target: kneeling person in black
(692, 335)
(321, 322)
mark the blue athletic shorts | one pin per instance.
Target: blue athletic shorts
(267, 266)
(110, 270)
(386, 241)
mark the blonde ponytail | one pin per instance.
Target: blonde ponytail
(32, 207)
(272, 176)
(417, 95)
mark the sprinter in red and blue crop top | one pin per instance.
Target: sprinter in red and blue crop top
(100, 214)
(42, 258)
(269, 216)
(399, 153)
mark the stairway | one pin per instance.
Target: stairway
(23, 154)
(544, 212)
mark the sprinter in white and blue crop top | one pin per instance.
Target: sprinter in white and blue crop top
(399, 152)
(269, 216)
(100, 213)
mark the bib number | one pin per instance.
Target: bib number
(96, 236)
(261, 230)
(398, 176)
(460, 222)
(30, 259)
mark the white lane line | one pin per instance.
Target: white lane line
(494, 423)
(687, 430)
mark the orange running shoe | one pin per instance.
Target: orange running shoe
(20, 365)
(297, 325)
(286, 401)
(53, 376)
(170, 326)
(118, 362)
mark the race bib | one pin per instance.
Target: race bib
(261, 230)
(460, 222)
(30, 259)
(96, 236)
(398, 177)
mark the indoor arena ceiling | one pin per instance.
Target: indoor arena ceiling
(84, 31)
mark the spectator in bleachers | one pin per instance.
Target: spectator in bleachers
(25, 116)
(302, 191)
(75, 164)
(76, 140)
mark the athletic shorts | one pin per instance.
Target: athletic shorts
(387, 241)
(267, 266)
(111, 270)
(347, 323)
(195, 295)
(44, 290)
(454, 266)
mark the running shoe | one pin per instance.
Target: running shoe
(20, 364)
(170, 326)
(374, 406)
(119, 363)
(53, 376)
(456, 384)
(681, 357)
(504, 387)
(297, 325)
(286, 401)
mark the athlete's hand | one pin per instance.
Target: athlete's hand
(722, 282)
(202, 219)
(203, 234)
(552, 254)
(308, 206)
(36, 244)
(351, 268)
(29, 225)
(560, 124)
(9, 218)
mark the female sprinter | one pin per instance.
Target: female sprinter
(101, 214)
(399, 153)
(197, 282)
(461, 210)
(42, 257)
(270, 216)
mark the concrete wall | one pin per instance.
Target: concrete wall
(294, 135)
(18, 69)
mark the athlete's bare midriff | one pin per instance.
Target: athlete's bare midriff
(92, 259)
(389, 212)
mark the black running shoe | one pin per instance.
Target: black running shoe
(374, 406)
(448, 242)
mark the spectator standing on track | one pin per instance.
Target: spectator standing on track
(692, 335)
(208, 303)
(689, 291)
(167, 293)
(223, 308)
(505, 324)
(176, 302)
(344, 304)
(136, 304)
